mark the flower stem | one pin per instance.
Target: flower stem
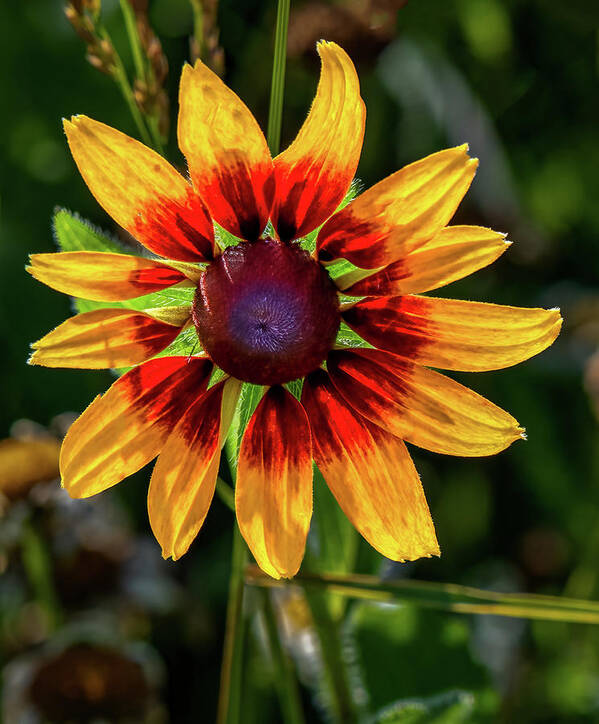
(133, 35)
(120, 76)
(286, 682)
(278, 78)
(226, 493)
(38, 568)
(335, 669)
(229, 698)
(142, 71)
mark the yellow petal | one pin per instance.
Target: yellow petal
(454, 253)
(273, 493)
(103, 339)
(313, 175)
(101, 276)
(122, 430)
(371, 474)
(228, 157)
(184, 478)
(141, 191)
(453, 334)
(400, 213)
(421, 406)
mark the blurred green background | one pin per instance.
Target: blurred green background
(519, 81)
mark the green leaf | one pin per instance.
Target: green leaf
(451, 707)
(346, 337)
(72, 233)
(249, 398)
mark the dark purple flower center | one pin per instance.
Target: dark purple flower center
(266, 312)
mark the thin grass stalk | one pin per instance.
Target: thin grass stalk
(277, 88)
(229, 698)
(286, 682)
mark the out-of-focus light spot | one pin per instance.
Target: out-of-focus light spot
(172, 18)
(556, 195)
(486, 27)
(38, 151)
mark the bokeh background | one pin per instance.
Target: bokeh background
(90, 614)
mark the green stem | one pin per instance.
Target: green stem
(440, 596)
(278, 78)
(335, 669)
(38, 569)
(226, 493)
(198, 25)
(143, 71)
(134, 41)
(286, 682)
(120, 76)
(229, 698)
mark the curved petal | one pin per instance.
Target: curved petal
(141, 191)
(400, 213)
(228, 157)
(313, 175)
(371, 474)
(453, 334)
(184, 477)
(102, 276)
(273, 493)
(419, 405)
(454, 253)
(103, 339)
(127, 426)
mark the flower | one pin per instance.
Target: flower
(267, 312)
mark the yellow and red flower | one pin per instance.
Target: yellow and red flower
(267, 312)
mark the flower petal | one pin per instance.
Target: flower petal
(313, 175)
(126, 427)
(103, 339)
(228, 157)
(453, 334)
(371, 474)
(273, 494)
(141, 191)
(421, 406)
(184, 477)
(400, 213)
(454, 253)
(101, 276)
